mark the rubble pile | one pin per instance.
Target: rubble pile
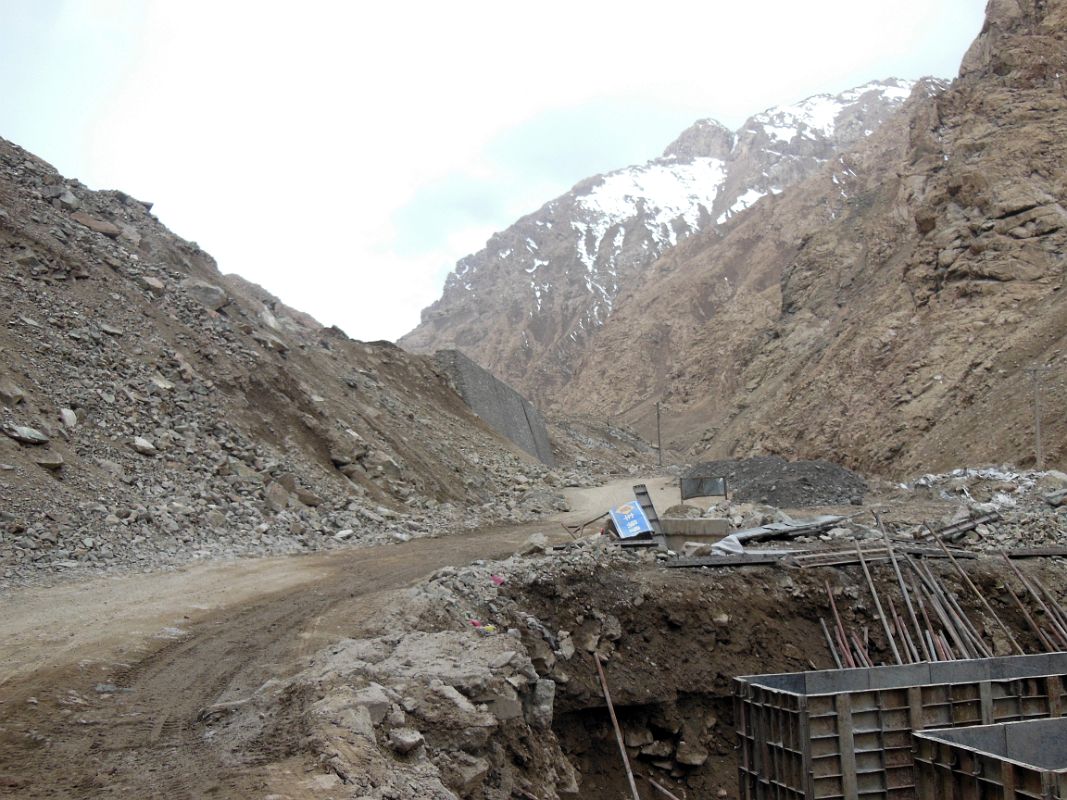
(479, 683)
(771, 480)
(455, 695)
(153, 410)
(1028, 506)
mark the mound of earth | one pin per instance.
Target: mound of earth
(787, 484)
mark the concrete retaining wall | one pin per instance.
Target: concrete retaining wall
(504, 410)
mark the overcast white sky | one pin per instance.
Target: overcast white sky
(345, 155)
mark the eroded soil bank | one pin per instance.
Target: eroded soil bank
(480, 683)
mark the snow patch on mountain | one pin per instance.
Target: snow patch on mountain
(664, 189)
(742, 202)
(817, 115)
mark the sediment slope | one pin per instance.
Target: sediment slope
(155, 410)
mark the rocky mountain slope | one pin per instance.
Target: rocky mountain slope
(529, 303)
(153, 410)
(884, 312)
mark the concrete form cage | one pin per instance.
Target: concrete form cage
(848, 733)
(1009, 761)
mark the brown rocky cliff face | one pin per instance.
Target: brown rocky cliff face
(884, 312)
(528, 306)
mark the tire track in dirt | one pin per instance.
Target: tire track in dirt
(147, 736)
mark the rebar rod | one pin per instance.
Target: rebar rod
(981, 598)
(842, 636)
(968, 628)
(946, 648)
(878, 605)
(862, 654)
(922, 611)
(905, 637)
(1049, 648)
(900, 581)
(615, 724)
(830, 642)
(1053, 603)
(930, 641)
(656, 786)
(1061, 634)
(944, 613)
(1057, 609)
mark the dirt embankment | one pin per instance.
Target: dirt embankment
(118, 705)
(102, 682)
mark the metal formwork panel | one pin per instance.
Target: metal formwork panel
(847, 734)
(1013, 761)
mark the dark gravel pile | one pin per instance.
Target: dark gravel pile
(787, 484)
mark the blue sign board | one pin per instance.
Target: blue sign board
(630, 520)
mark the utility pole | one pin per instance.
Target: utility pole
(659, 435)
(1039, 453)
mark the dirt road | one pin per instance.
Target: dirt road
(104, 684)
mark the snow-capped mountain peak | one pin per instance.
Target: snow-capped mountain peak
(553, 277)
(817, 116)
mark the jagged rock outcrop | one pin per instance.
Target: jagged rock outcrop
(527, 305)
(884, 312)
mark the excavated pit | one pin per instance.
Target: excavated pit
(481, 684)
(673, 640)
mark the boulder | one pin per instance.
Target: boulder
(405, 740)
(143, 446)
(207, 294)
(153, 285)
(375, 700)
(692, 755)
(466, 773)
(277, 496)
(535, 543)
(98, 225)
(539, 706)
(1051, 481)
(24, 434)
(49, 460)
(307, 497)
(10, 393)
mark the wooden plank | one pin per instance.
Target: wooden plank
(743, 560)
(1038, 552)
